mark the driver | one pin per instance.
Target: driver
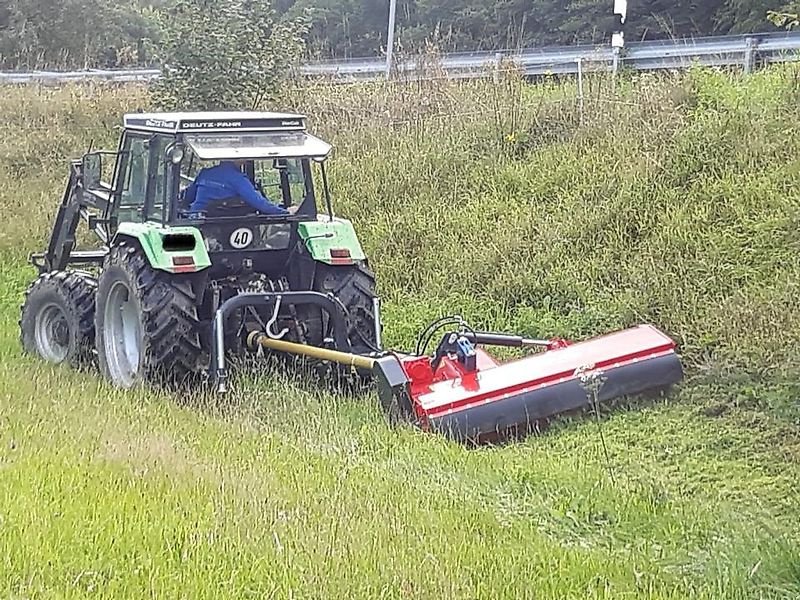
(224, 181)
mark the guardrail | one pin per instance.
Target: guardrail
(120, 75)
(745, 51)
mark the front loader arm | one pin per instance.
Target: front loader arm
(76, 204)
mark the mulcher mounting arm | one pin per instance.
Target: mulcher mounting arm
(328, 303)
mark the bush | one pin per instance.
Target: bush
(224, 55)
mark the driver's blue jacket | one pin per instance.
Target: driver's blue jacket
(224, 181)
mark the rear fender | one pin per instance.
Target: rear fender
(170, 249)
(333, 242)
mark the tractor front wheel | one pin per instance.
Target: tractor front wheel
(57, 317)
(147, 328)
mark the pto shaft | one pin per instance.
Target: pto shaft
(258, 338)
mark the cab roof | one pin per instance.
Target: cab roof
(185, 122)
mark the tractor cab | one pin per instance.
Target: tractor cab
(161, 154)
(149, 184)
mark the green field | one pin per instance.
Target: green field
(668, 200)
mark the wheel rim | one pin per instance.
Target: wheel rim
(52, 333)
(122, 335)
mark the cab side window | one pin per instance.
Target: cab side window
(160, 184)
(134, 179)
(139, 151)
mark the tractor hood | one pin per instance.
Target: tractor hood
(258, 145)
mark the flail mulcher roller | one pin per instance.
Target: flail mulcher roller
(170, 293)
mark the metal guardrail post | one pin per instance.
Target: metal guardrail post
(615, 63)
(580, 88)
(750, 55)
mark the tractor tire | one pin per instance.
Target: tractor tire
(354, 286)
(146, 322)
(57, 318)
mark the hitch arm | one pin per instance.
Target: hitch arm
(334, 308)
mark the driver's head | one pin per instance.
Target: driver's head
(236, 162)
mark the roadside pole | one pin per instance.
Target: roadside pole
(618, 37)
(390, 37)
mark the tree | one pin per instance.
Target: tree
(224, 55)
(788, 16)
(470, 24)
(71, 33)
(344, 28)
(243, 37)
(358, 27)
(744, 16)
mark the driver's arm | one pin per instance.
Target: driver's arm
(249, 194)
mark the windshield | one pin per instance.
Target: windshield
(280, 181)
(288, 144)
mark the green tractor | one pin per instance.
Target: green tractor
(166, 293)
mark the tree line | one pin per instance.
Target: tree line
(116, 33)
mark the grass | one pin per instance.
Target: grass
(672, 201)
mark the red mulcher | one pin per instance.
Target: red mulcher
(464, 393)
(469, 395)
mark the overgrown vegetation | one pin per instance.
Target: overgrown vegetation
(786, 19)
(672, 200)
(75, 33)
(224, 55)
(105, 33)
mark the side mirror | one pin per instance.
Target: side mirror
(91, 171)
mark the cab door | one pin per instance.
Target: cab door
(141, 180)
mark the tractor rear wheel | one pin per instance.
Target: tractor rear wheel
(146, 322)
(354, 286)
(57, 319)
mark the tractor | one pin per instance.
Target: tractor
(166, 293)
(143, 301)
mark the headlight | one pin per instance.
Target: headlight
(175, 154)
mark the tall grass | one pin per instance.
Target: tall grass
(674, 201)
(668, 199)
